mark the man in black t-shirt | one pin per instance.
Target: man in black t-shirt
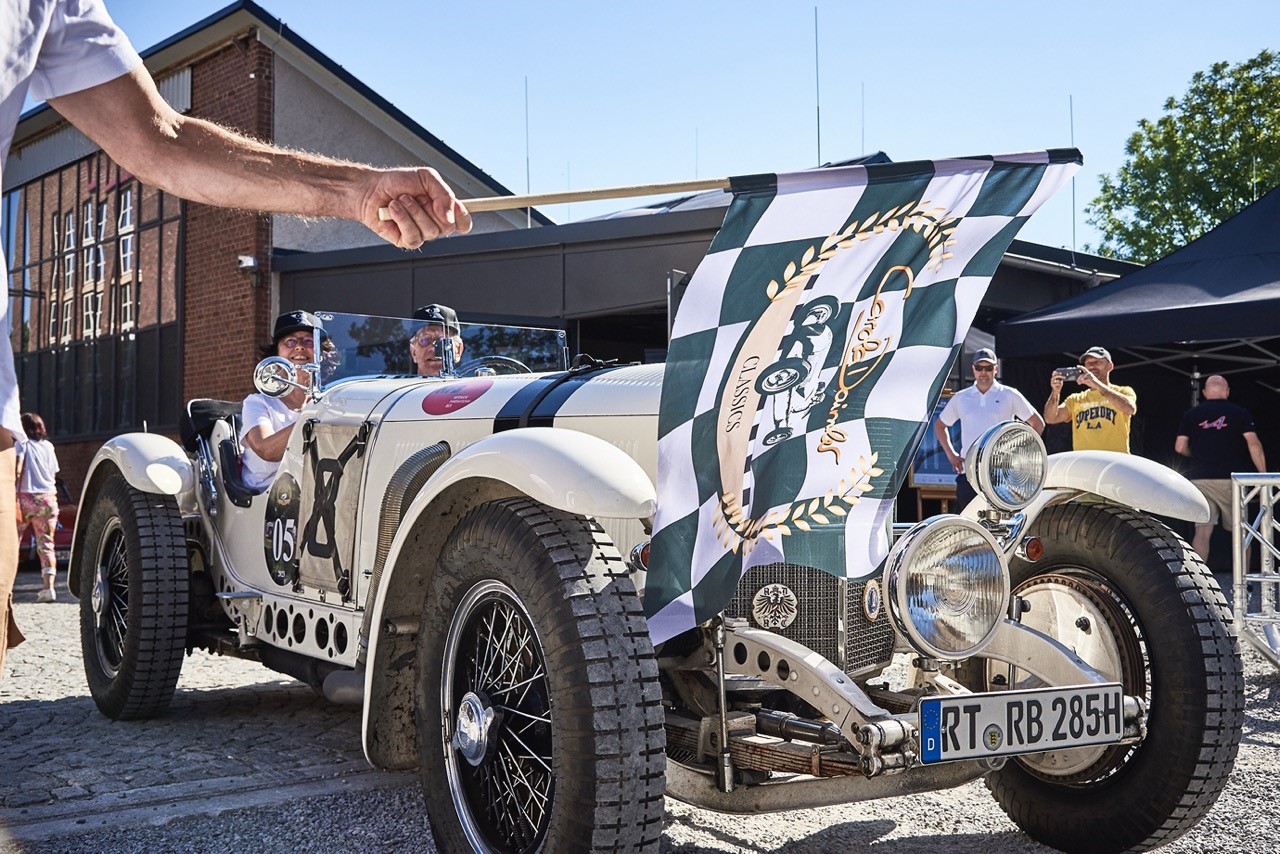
(1216, 435)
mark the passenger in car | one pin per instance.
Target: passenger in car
(267, 422)
(439, 321)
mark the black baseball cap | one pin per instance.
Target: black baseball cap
(293, 321)
(437, 313)
(985, 354)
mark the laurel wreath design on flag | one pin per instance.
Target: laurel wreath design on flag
(734, 529)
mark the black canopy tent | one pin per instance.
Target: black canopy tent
(1212, 306)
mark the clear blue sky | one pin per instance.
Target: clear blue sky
(665, 90)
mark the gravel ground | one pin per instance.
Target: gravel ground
(353, 811)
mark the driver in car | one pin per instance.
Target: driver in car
(440, 322)
(267, 422)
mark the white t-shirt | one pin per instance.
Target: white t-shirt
(39, 466)
(978, 412)
(52, 48)
(272, 415)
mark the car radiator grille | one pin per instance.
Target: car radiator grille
(826, 604)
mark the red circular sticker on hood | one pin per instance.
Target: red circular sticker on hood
(454, 396)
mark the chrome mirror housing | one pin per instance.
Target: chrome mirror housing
(275, 377)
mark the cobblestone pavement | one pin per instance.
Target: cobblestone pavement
(249, 760)
(235, 734)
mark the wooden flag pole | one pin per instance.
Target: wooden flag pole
(506, 203)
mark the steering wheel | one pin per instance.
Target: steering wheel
(498, 364)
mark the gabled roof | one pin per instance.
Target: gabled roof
(225, 23)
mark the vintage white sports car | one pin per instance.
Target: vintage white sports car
(465, 556)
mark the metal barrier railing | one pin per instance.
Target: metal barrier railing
(1257, 616)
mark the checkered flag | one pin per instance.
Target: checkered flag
(807, 354)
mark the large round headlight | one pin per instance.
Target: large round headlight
(1006, 465)
(948, 587)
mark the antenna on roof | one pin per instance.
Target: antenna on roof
(528, 212)
(817, 89)
(1071, 112)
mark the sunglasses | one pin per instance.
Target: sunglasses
(296, 340)
(428, 339)
(984, 369)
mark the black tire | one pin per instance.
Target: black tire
(1144, 589)
(552, 584)
(133, 600)
(498, 364)
(782, 375)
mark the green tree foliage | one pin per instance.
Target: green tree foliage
(1214, 151)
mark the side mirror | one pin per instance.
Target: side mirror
(276, 377)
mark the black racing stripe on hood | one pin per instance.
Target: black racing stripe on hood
(537, 403)
(515, 412)
(544, 411)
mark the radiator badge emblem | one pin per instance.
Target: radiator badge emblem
(871, 601)
(774, 607)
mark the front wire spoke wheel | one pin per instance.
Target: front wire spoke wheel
(499, 769)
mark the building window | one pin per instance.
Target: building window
(89, 278)
(66, 320)
(124, 224)
(53, 318)
(126, 305)
(125, 221)
(126, 255)
(102, 222)
(69, 270)
(92, 313)
(86, 227)
(53, 230)
(69, 231)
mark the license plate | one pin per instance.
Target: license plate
(972, 726)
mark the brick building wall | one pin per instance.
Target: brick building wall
(225, 309)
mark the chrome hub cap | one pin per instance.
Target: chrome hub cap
(471, 732)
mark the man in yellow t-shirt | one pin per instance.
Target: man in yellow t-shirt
(1100, 414)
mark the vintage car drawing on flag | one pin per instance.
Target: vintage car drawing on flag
(562, 589)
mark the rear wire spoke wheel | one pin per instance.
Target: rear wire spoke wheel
(1134, 601)
(540, 725)
(133, 600)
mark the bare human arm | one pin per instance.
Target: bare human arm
(1054, 411)
(1123, 404)
(1182, 445)
(944, 439)
(203, 162)
(1036, 422)
(268, 446)
(1255, 451)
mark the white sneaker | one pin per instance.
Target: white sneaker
(46, 595)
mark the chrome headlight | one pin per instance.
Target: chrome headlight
(947, 586)
(1006, 466)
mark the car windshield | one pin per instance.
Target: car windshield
(367, 345)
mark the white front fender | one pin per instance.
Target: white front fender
(149, 462)
(1123, 478)
(565, 469)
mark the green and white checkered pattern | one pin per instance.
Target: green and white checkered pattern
(880, 270)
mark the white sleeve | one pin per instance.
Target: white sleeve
(949, 412)
(254, 414)
(1021, 407)
(82, 48)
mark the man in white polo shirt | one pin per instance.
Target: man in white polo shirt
(979, 407)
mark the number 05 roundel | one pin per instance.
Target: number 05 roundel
(281, 534)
